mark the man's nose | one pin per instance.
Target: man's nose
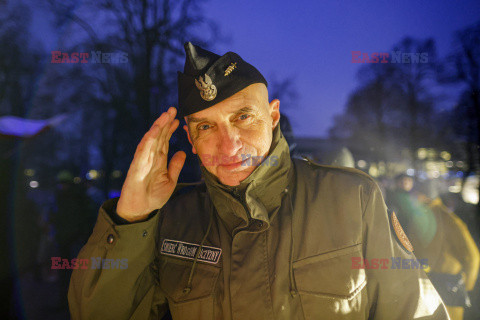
(228, 141)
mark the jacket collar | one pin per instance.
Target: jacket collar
(260, 193)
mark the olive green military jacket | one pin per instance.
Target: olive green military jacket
(285, 244)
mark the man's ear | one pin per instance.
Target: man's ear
(189, 139)
(275, 112)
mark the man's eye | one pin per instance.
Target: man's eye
(244, 116)
(204, 127)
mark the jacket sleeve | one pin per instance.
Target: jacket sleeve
(398, 288)
(116, 279)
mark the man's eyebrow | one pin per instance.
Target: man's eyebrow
(245, 109)
(192, 119)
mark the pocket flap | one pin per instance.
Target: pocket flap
(174, 274)
(330, 274)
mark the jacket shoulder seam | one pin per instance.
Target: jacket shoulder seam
(353, 171)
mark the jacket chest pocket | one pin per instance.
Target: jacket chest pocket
(329, 287)
(196, 303)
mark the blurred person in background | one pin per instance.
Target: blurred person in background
(440, 236)
(46, 248)
(71, 222)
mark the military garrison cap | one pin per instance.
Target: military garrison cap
(208, 78)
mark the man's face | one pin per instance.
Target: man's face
(228, 135)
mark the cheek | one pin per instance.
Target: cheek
(200, 147)
(259, 139)
(205, 145)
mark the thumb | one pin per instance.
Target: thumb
(176, 165)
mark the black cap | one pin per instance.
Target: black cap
(208, 78)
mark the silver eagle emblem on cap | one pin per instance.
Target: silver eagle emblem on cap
(208, 91)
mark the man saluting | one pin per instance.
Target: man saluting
(264, 236)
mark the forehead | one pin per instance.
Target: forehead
(253, 96)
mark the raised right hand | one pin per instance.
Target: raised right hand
(149, 184)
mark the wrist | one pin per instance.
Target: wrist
(131, 218)
(123, 217)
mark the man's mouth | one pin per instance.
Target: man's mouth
(234, 165)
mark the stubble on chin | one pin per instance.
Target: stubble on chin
(234, 178)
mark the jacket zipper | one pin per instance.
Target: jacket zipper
(238, 196)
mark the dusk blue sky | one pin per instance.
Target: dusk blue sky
(312, 42)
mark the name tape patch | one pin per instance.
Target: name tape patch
(188, 250)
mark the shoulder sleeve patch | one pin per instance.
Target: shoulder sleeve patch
(399, 233)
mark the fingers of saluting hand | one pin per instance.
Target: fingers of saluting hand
(150, 141)
(170, 125)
